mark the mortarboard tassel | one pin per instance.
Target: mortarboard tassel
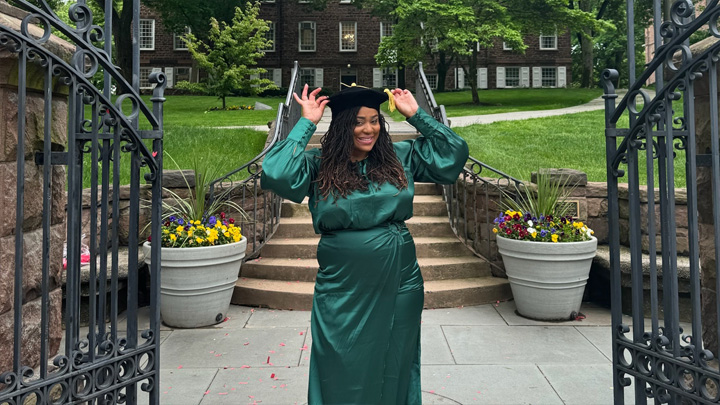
(391, 100)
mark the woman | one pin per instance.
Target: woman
(369, 291)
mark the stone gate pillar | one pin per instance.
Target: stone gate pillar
(705, 206)
(33, 200)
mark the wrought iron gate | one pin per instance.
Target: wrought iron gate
(656, 354)
(111, 359)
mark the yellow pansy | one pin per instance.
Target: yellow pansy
(173, 237)
(554, 238)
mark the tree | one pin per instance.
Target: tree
(233, 52)
(595, 49)
(179, 14)
(458, 30)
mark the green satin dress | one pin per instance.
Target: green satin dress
(369, 290)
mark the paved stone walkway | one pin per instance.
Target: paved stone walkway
(474, 355)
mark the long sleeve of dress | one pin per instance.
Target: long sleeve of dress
(288, 170)
(439, 155)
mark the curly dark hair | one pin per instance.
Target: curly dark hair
(339, 175)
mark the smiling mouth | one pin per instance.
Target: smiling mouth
(365, 141)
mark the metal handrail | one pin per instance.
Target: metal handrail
(469, 200)
(262, 206)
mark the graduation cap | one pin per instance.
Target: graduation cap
(359, 96)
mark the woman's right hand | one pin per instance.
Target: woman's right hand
(312, 106)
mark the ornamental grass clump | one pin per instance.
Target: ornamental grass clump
(200, 220)
(540, 215)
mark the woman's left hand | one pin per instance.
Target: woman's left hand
(405, 102)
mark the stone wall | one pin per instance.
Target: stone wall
(33, 199)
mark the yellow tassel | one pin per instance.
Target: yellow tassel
(391, 100)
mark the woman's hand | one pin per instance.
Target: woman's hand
(405, 102)
(312, 106)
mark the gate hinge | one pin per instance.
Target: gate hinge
(56, 158)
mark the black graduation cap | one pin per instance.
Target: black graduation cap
(359, 96)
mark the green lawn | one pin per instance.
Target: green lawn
(226, 149)
(459, 103)
(192, 111)
(575, 141)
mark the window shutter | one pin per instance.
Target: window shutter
(169, 76)
(377, 77)
(460, 78)
(525, 76)
(482, 78)
(537, 77)
(277, 77)
(561, 76)
(500, 77)
(318, 77)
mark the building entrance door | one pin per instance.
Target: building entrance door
(348, 77)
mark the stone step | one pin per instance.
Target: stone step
(438, 294)
(395, 136)
(423, 205)
(305, 270)
(306, 248)
(301, 227)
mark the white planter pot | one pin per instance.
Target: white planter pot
(547, 279)
(196, 284)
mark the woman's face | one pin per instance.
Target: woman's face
(366, 132)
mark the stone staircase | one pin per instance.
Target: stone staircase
(283, 277)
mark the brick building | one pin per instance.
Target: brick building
(339, 44)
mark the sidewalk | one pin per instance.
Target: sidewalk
(474, 355)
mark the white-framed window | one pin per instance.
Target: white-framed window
(548, 42)
(389, 78)
(348, 36)
(178, 43)
(306, 39)
(346, 1)
(386, 29)
(308, 76)
(144, 76)
(512, 77)
(432, 79)
(183, 73)
(548, 77)
(506, 47)
(147, 35)
(432, 42)
(270, 34)
(312, 76)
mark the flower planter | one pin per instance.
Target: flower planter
(547, 279)
(196, 284)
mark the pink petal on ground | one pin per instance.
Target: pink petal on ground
(301, 333)
(179, 367)
(271, 364)
(244, 366)
(232, 389)
(272, 375)
(242, 382)
(212, 351)
(222, 393)
(207, 392)
(274, 386)
(432, 391)
(246, 343)
(218, 355)
(271, 351)
(268, 360)
(283, 385)
(282, 344)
